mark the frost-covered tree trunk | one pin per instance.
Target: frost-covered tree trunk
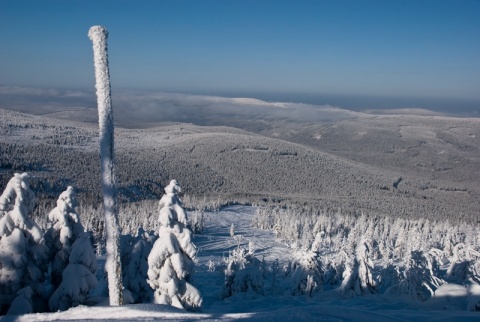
(99, 35)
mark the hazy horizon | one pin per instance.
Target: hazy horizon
(137, 107)
(357, 55)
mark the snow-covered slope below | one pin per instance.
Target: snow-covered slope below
(449, 304)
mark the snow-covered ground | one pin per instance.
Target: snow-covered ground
(449, 303)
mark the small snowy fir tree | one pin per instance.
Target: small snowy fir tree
(358, 280)
(65, 229)
(419, 281)
(243, 273)
(462, 268)
(23, 253)
(337, 268)
(22, 304)
(98, 35)
(136, 267)
(197, 222)
(389, 277)
(78, 278)
(171, 261)
(306, 273)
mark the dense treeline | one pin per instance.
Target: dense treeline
(363, 254)
(303, 226)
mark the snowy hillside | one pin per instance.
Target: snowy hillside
(273, 303)
(400, 166)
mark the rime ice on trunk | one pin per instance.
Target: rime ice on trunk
(99, 35)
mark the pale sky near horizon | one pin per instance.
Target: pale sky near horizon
(398, 48)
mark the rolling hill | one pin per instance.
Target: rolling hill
(387, 165)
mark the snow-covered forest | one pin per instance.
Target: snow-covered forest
(323, 255)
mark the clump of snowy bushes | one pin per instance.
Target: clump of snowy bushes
(134, 255)
(305, 272)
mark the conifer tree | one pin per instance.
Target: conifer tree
(306, 272)
(419, 282)
(23, 253)
(243, 273)
(78, 278)
(65, 229)
(136, 267)
(22, 304)
(359, 279)
(171, 260)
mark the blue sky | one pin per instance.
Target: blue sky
(394, 48)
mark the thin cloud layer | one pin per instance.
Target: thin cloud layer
(143, 109)
(214, 110)
(43, 101)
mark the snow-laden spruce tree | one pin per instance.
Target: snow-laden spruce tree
(388, 278)
(358, 279)
(135, 251)
(23, 253)
(98, 35)
(306, 272)
(336, 268)
(65, 228)
(78, 278)
(462, 268)
(171, 261)
(171, 199)
(243, 273)
(72, 258)
(418, 281)
(22, 304)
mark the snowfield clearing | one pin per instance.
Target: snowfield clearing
(449, 303)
